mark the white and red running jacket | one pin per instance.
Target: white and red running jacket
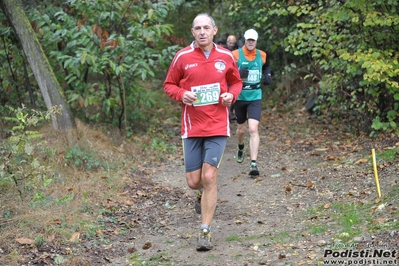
(209, 78)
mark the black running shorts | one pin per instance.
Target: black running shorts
(247, 109)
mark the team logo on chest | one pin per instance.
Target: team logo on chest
(220, 66)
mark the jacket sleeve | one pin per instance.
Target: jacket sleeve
(172, 82)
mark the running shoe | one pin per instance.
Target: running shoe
(204, 240)
(240, 155)
(253, 169)
(197, 204)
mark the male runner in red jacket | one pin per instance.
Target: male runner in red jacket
(198, 77)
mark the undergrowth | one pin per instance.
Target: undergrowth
(53, 184)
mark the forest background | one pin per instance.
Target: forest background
(109, 59)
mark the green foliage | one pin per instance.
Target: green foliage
(161, 147)
(318, 229)
(387, 155)
(12, 68)
(105, 52)
(348, 219)
(233, 238)
(59, 259)
(102, 53)
(18, 163)
(114, 50)
(81, 159)
(351, 44)
(84, 159)
(39, 240)
(346, 49)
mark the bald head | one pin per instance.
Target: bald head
(205, 15)
(203, 30)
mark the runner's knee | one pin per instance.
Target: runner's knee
(208, 177)
(194, 180)
(241, 129)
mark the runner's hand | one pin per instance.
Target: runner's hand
(227, 98)
(189, 97)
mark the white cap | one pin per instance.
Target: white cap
(251, 34)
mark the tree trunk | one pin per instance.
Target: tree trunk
(48, 83)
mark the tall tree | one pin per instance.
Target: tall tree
(49, 85)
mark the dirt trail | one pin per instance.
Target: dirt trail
(275, 219)
(267, 220)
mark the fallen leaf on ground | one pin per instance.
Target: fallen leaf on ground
(147, 245)
(25, 241)
(75, 237)
(364, 160)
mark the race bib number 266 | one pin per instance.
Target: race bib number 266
(207, 94)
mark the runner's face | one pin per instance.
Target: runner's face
(231, 44)
(203, 31)
(250, 44)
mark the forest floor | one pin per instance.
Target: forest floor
(315, 200)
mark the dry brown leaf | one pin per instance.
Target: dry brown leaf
(25, 241)
(311, 257)
(363, 160)
(57, 221)
(75, 237)
(258, 179)
(51, 238)
(129, 202)
(147, 245)
(388, 148)
(131, 249)
(380, 220)
(333, 158)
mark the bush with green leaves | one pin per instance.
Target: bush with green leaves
(18, 163)
(352, 43)
(104, 51)
(103, 54)
(81, 158)
(346, 49)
